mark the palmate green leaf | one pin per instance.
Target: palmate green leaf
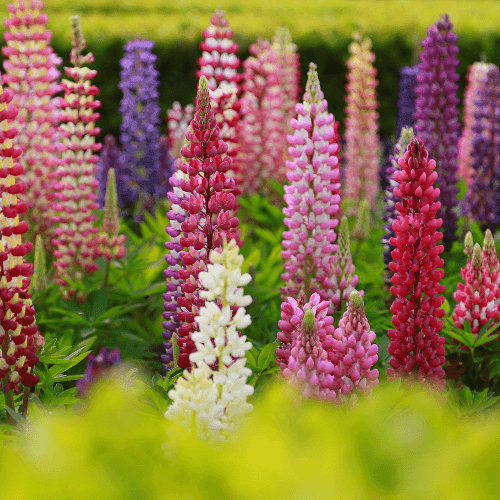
(120, 310)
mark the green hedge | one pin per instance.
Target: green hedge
(177, 63)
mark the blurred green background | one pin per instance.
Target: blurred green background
(320, 28)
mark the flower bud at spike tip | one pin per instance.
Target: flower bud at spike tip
(39, 274)
(204, 97)
(468, 245)
(476, 255)
(308, 322)
(356, 301)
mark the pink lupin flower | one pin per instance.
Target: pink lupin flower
(490, 261)
(311, 198)
(18, 333)
(361, 126)
(289, 66)
(178, 119)
(415, 342)
(308, 367)
(219, 64)
(262, 141)
(477, 72)
(476, 297)
(76, 186)
(206, 210)
(354, 351)
(32, 74)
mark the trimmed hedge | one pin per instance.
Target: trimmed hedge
(177, 61)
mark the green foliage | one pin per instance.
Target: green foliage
(391, 445)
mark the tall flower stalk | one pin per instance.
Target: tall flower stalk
(31, 73)
(311, 199)
(475, 75)
(436, 115)
(406, 98)
(361, 134)
(263, 143)
(391, 199)
(416, 347)
(139, 132)
(76, 186)
(205, 206)
(482, 200)
(211, 399)
(19, 335)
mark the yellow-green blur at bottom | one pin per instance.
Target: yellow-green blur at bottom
(397, 444)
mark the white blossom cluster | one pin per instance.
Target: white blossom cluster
(213, 396)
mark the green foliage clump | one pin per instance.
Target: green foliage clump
(399, 443)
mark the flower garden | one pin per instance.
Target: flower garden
(243, 296)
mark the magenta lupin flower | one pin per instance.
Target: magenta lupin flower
(32, 75)
(18, 333)
(475, 75)
(76, 186)
(354, 351)
(361, 127)
(308, 367)
(476, 297)
(312, 199)
(416, 347)
(206, 208)
(178, 119)
(262, 137)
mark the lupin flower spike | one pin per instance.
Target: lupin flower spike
(263, 144)
(482, 200)
(109, 158)
(76, 187)
(475, 75)
(40, 267)
(205, 208)
(476, 298)
(344, 279)
(436, 115)
(391, 199)
(178, 119)
(307, 333)
(18, 333)
(111, 243)
(361, 230)
(406, 98)
(31, 73)
(416, 347)
(354, 351)
(139, 130)
(289, 67)
(312, 198)
(97, 368)
(212, 401)
(361, 134)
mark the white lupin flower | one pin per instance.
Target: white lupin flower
(215, 399)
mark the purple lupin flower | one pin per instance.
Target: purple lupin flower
(140, 110)
(436, 115)
(390, 199)
(406, 98)
(483, 197)
(97, 367)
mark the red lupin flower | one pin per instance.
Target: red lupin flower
(416, 347)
